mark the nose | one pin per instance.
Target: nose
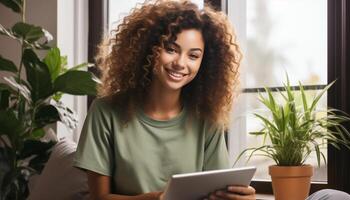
(180, 62)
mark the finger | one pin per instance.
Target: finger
(241, 190)
(233, 196)
(160, 195)
(213, 196)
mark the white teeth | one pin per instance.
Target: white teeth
(177, 75)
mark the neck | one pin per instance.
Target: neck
(162, 104)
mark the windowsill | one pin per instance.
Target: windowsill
(265, 197)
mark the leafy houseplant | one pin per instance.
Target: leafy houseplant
(294, 133)
(28, 105)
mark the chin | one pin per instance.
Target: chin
(174, 87)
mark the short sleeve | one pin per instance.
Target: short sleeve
(95, 148)
(215, 153)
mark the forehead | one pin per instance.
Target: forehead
(188, 39)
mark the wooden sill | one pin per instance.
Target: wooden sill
(265, 197)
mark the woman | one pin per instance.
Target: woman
(168, 78)
(168, 82)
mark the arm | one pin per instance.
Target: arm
(99, 186)
(216, 157)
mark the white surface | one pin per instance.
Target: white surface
(72, 39)
(198, 185)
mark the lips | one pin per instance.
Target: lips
(174, 75)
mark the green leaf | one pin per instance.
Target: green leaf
(53, 62)
(7, 65)
(80, 66)
(57, 96)
(318, 153)
(15, 5)
(37, 133)
(9, 124)
(5, 166)
(23, 115)
(318, 97)
(46, 114)
(64, 61)
(6, 32)
(269, 125)
(41, 151)
(257, 133)
(76, 83)
(6, 90)
(305, 104)
(21, 88)
(38, 76)
(4, 99)
(33, 147)
(28, 32)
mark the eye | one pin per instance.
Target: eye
(193, 56)
(170, 50)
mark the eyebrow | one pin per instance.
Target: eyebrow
(192, 49)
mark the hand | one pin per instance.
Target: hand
(234, 193)
(161, 196)
(157, 195)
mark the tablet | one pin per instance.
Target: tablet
(193, 186)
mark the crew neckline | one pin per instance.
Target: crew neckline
(161, 123)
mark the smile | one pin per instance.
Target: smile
(175, 75)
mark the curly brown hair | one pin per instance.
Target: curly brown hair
(127, 59)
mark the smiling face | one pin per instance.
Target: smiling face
(179, 61)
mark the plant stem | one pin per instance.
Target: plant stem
(21, 62)
(22, 42)
(35, 106)
(22, 51)
(19, 76)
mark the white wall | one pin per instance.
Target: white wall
(72, 38)
(237, 129)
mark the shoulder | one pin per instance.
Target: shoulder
(213, 131)
(101, 105)
(112, 107)
(208, 127)
(211, 126)
(102, 102)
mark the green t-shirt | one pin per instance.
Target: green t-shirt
(141, 156)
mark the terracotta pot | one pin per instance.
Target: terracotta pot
(291, 183)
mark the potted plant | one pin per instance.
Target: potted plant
(28, 105)
(291, 134)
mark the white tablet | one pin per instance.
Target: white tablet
(193, 186)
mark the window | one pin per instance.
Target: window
(119, 9)
(277, 37)
(301, 38)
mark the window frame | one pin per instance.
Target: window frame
(338, 68)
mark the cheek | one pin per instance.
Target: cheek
(165, 58)
(162, 60)
(194, 71)
(195, 67)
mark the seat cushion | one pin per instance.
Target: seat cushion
(59, 179)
